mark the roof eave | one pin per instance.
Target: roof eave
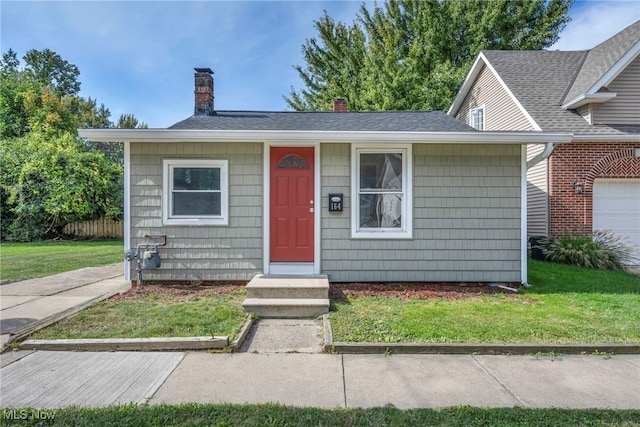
(182, 135)
(480, 61)
(589, 98)
(607, 138)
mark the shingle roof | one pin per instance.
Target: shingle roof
(539, 79)
(383, 121)
(542, 81)
(602, 58)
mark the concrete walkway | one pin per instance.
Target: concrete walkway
(44, 379)
(282, 361)
(30, 304)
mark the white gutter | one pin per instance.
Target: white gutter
(607, 138)
(541, 156)
(524, 268)
(183, 135)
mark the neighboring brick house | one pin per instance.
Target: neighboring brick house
(594, 181)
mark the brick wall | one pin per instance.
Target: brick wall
(584, 162)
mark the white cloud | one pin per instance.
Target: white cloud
(595, 21)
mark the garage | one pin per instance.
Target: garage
(616, 207)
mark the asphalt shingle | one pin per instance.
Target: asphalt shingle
(601, 58)
(382, 121)
(543, 80)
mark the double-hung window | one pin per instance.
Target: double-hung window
(195, 192)
(477, 118)
(381, 192)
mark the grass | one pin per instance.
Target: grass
(20, 261)
(154, 315)
(566, 305)
(194, 414)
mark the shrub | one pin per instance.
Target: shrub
(602, 250)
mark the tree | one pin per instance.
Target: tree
(414, 54)
(52, 181)
(114, 150)
(49, 175)
(47, 68)
(129, 121)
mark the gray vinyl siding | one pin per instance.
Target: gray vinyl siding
(500, 111)
(197, 253)
(585, 112)
(537, 195)
(625, 107)
(466, 219)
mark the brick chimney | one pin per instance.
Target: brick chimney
(340, 104)
(203, 92)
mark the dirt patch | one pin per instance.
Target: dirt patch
(181, 290)
(445, 291)
(337, 291)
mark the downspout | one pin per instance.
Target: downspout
(526, 165)
(548, 149)
(127, 206)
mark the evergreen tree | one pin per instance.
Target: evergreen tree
(414, 54)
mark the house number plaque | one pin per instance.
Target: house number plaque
(335, 202)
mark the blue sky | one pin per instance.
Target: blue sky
(138, 57)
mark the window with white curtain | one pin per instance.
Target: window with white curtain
(381, 192)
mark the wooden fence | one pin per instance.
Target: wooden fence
(98, 229)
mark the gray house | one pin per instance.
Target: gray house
(357, 196)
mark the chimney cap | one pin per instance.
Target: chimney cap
(204, 70)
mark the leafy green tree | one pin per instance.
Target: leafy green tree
(55, 181)
(414, 54)
(47, 68)
(49, 175)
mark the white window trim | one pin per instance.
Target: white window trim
(481, 108)
(407, 185)
(167, 167)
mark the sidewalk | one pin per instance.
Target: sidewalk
(30, 304)
(281, 361)
(43, 379)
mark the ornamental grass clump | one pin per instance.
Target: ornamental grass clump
(602, 250)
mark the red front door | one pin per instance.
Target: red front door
(292, 204)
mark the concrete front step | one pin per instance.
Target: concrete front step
(287, 296)
(286, 307)
(290, 287)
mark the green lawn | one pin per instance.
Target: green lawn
(566, 305)
(19, 261)
(193, 414)
(154, 316)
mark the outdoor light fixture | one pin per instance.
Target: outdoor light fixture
(578, 187)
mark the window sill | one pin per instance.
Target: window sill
(382, 235)
(196, 221)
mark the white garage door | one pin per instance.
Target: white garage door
(616, 207)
